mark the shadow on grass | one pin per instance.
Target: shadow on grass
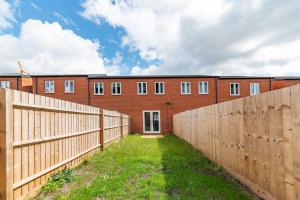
(189, 175)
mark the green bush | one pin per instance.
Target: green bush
(57, 180)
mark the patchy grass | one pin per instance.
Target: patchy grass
(56, 181)
(159, 168)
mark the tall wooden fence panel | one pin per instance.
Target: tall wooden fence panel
(257, 139)
(40, 136)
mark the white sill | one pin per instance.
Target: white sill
(116, 94)
(69, 92)
(49, 92)
(98, 94)
(203, 93)
(186, 93)
(235, 95)
(159, 93)
(142, 94)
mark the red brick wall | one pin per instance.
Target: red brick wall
(278, 84)
(129, 102)
(224, 87)
(80, 94)
(133, 104)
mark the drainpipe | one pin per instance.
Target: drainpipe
(36, 85)
(18, 82)
(271, 83)
(89, 93)
(216, 88)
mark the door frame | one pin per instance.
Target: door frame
(151, 122)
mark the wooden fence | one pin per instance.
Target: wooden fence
(40, 136)
(257, 139)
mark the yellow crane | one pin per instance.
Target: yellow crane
(21, 69)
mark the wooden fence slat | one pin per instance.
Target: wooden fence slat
(40, 136)
(255, 138)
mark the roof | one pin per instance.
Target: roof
(152, 76)
(105, 76)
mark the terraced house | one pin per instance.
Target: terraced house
(151, 101)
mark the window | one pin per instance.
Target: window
(69, 86)
(203, 87)
(98, 88)
(116, 88)
(254, 89)
(5, 84)
(159, 88)
(234, 89)
(49, 86)
(185, 88)
(142, 88)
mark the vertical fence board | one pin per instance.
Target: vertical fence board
(255, 138)
(40, 136)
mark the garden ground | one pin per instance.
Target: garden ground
(142, 168)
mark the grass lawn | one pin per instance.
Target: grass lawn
(160, 168)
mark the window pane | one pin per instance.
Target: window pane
(161, 88)
(139, 88)
(71, 86)
(188, 88)
(231, 88)
(155, 121)
(144, 88)
(147, 121)
(237, 89)
(182, 88)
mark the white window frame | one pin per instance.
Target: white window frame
(5, 84)
(112, 88)
(201, 86)
(256, 89)
(159, 92)
(185, 87)
(151, 121)
(47, 91)
(142, 84)
(239, 89)
(98, 83)
(69, 91)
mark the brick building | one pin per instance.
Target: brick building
(151, 101)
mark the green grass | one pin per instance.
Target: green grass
(162, 168)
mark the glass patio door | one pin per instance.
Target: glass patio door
(151, 121)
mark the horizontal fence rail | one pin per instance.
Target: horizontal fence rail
(40, 136)
(257, 139)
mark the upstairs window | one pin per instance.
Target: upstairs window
(116, 88)
(98, 88)
(5, 84)
(142, 88)
(203, 87)
(185, 88)
(69, 86)
(49, 86)
(234, 89)
(159, 88)
(254, 89)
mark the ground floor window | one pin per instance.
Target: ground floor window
(151, 121)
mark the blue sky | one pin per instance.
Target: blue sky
(67, 13)
(141, 37)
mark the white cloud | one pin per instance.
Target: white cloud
(48, 48)
(207, 37)
(6, 14)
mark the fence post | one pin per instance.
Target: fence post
(122, 125)
(6, 148)
(102, 128)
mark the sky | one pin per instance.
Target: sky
(143, 37)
